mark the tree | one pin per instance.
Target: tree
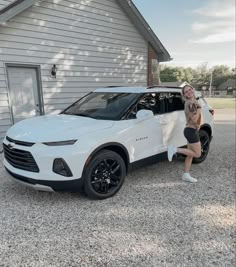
(221, 73)
(199, 77)
(202, 77)
(176, 74)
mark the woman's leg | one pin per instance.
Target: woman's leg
(193, 150)
(188, 162)
(196, 150)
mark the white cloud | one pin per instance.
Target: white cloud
(197, 63)
(216, 38)
(217, 9)
(217, 22)
(212, 26)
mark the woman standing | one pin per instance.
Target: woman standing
(193, 121)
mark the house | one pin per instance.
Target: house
(227, 88)
(54, 51)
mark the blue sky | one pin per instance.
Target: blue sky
(193, 31)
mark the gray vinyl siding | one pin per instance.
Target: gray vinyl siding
(93, 43)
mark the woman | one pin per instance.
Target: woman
(193, 121)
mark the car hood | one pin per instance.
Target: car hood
(52, 128)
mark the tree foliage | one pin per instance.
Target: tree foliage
(199, 76)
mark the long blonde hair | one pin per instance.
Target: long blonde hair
(190, 86)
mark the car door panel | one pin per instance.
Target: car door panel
(145, 137)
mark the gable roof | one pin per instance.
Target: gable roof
(228, 83)
(129, 8)
(142, 25)
(14, 8)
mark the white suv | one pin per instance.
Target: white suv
(91, 145)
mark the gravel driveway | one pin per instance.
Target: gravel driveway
(155, 220)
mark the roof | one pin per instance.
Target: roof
(228, 83)
(14, 8)
(129, 8)
(142, 25)
(137, 90)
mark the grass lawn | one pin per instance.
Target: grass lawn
(222, 102)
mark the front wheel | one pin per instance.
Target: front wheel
(104, 175)
(205, 146)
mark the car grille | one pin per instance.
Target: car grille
(21, 143)
(20, 159)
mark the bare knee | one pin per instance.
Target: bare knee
(198, 154)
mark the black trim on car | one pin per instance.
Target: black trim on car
(148, 161)
(20, 143)
(75, 185)
(109, 147)
(20, 159)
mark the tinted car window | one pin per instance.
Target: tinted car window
(151, 101)
(154, 102)
(104, 106)
(174, 102)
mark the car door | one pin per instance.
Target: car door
(173, 121)
(145, 136)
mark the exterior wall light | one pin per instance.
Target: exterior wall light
(54, 71)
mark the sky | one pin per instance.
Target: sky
(194, 32)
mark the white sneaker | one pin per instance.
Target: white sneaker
(171, 151)
(188, 178)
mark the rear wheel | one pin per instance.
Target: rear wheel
(205, 146)
(104, 175)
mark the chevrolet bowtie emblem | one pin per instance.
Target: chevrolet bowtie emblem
(10, 146)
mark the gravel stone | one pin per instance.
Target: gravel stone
(155, 220)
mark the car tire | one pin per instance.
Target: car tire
(205, 146)
(104, 175)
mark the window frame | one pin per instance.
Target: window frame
(132, 107)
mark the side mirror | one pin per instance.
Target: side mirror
(144, 114)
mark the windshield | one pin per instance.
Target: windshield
(103, 106)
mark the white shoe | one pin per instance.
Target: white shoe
(171, 151)
(188, 178)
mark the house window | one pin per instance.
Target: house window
(229, 90)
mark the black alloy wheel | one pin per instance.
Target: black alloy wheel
(104, 175)
(205, 146)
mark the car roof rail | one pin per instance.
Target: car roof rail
(163, 86)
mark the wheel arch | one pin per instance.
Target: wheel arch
(113, 146)
(206, 127)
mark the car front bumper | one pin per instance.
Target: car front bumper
(74, 185)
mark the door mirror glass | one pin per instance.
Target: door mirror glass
(144, 114)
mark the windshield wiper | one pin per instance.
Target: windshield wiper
(83, 115)
(78, 114)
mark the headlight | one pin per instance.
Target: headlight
(60, 143)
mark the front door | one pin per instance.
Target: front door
(24, 92)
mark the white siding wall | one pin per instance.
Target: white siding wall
(92, 42)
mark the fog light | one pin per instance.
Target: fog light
(60, 167)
